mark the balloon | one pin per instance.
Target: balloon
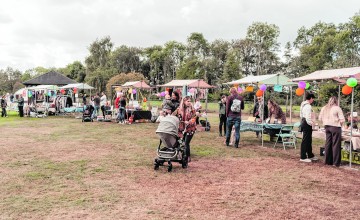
(259, 93)
(302, 84)
(263, 87)
(75, 90)
(134, 91)
(299, 91)
(346, 90)
(352, 82)
(307, 86)
(145, 100)
(240, 90)
(192, 90)
(162, 94)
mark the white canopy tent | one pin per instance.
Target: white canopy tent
(270, 79)
(78, 86)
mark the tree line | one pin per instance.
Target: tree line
(322, 46)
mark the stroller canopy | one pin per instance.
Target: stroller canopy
(169, 125)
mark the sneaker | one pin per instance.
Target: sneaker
(314, 158)
(305, 160)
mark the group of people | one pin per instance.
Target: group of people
(4, 104)
(331, 115)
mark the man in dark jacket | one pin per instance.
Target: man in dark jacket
(21, 106)
(261, 111)
(234, 105)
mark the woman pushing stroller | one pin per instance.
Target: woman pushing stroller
(187, 116)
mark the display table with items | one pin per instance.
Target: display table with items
(270, 130)
(345, 151)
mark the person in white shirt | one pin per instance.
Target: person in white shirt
(306, 154)
(103, 102)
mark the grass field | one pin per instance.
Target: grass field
(61, 168)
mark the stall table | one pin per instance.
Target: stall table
(138, 114)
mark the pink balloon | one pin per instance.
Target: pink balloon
(302, 84)
(162, 94)
(240, 89)
(134, 91)
(263, 87)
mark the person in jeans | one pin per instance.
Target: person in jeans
(332, 117)
(222, 115)
(234, 105)
(96, 103)
(122, 109)
(103, 101)
(306, 125)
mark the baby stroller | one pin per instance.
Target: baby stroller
(87, 113)
(171, 147)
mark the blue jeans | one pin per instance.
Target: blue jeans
(121, 115)
(96, 111)
(230, 122)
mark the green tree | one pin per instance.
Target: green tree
(264, 38)
(98, 63)
(75, 71)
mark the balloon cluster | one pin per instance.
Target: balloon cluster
(350, 84)
(301, 88)
(261, 90)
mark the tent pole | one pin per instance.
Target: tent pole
(290, 104)
(262, 119)
(351, 128)
(339, 96)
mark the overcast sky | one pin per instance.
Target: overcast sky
(54, 33)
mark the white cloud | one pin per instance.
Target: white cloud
(53, 33)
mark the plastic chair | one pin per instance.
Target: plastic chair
(287, 136)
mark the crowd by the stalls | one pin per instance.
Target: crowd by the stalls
(331, 116)
(230, 112)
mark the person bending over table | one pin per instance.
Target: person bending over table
(274, 109)
(332, 117)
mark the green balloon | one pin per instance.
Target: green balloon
(307, 85)
(352, 82)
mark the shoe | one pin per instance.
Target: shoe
(305, 160)
(314, 158)
(227, 144)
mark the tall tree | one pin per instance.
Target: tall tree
(264, 36)
(98, 65)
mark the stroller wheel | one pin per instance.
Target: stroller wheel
(156, 166)
(170, 166)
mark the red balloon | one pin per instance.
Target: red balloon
(75, 90)
(62, 91)
(259, 93)
(346, 90)
(299, 91)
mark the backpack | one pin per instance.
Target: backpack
(236, 105)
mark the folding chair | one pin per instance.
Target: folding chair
(287, 136)
(295, 131)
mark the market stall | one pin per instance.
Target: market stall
(348, 76)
